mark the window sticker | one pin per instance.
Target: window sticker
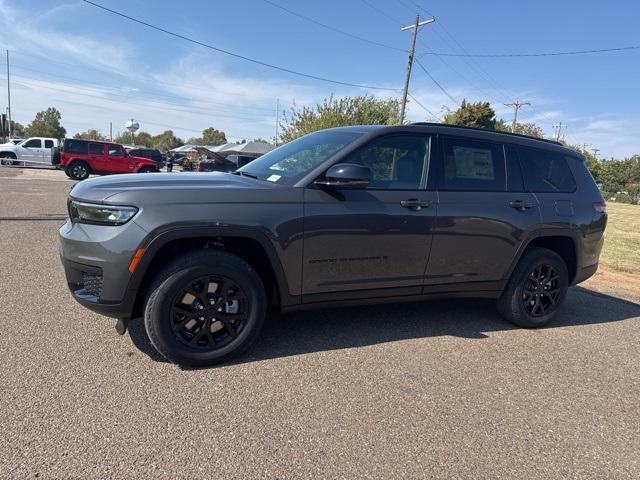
(473, 163)
(274, 178)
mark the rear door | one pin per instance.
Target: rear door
(483, 214)
(372, 241)
(97, 157)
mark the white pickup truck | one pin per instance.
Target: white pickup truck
(32, 151)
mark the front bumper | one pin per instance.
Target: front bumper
(96, 262)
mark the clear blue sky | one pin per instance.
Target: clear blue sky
(97, 67)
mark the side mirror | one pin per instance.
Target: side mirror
(346, 176)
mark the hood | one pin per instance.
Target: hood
(166, 184)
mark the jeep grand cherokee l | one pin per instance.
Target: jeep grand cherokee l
(338, 217)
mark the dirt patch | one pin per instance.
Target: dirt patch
(615, 283)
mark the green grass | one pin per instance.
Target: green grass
(621, 249)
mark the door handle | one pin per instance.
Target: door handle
(520, 205)
(414, 204)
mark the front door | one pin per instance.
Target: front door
(117, 160)
(484, 214)
(31, 151)
(359, 242)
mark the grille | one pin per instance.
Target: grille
(92, 283)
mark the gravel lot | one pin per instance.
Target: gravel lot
(428, 390)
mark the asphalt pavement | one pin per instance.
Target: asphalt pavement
(441, 389)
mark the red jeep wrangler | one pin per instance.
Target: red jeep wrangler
(80, 158)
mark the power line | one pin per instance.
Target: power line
(236, 55)
(540, 54)
(333, 29)
(437, 83)
(433, 115)
(381, 12)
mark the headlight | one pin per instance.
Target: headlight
(95, 214)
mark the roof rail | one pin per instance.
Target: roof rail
(432, 124)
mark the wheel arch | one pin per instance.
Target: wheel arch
(564, 242)
(248, 244)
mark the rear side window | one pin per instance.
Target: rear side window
(472, 165)
(515, 183)
(75, 146)
(546, 172)
(96, 149)
(48, 144)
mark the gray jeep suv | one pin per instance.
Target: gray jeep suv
(338, 217)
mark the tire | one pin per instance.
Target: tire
(147, 170)
(8, 159)
(533, 295)
(165, 308)
(78, 170)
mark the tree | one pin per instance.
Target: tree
(17, 130)
(260, 140)
(91, 134)
(478, 115)
(530, 129)
(46, 124)
(360, 110)
(166, 141)
(210, 136)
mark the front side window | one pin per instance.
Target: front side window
(291, 162)
(397, 162)
(546, 172)
(33, 143)
(116, 151)
(471, 165)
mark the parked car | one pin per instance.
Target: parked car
(32, 151)
(224, 164)
(150, 153)
(346, 216)
(80, 158)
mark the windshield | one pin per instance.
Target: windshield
(290, 162)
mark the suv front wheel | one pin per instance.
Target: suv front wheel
(205, 308)
(536, 289)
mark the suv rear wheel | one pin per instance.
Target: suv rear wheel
(205, 308)
(536, 289)
(78, 170)
(147, 170)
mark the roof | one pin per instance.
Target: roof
(485, 130)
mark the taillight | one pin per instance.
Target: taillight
(200, 168)
(600, 207)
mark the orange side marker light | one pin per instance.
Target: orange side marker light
(136, 258)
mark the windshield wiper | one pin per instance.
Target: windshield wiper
(245, 174)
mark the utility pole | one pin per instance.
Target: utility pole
(8, 95)
(412, 51)
(595, 152)
(559, 126)
(111, 131)
(277, 119)
(516, 105)
(584, 147)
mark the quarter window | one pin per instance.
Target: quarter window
(472, 165)
(397, 162)
(546, 172)
(75, 146)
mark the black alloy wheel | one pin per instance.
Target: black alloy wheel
(79, 171)
(209, 313)
(541, 290)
